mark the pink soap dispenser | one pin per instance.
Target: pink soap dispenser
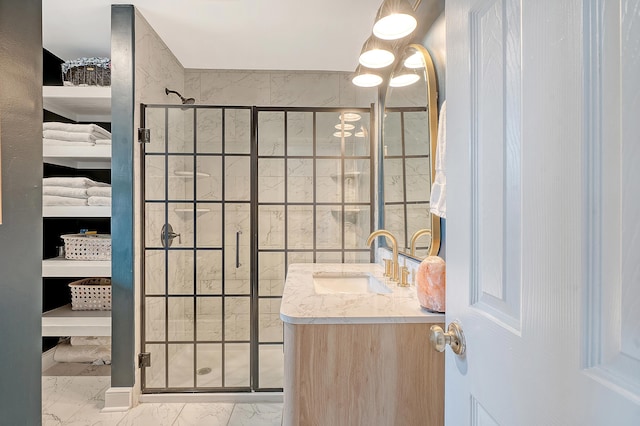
(431, 284)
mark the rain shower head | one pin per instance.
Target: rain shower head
(185, 101)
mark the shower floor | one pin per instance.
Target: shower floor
(210, 369)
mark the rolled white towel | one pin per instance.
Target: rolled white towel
(87, 353)
(63, 191)
(53, 200)
(61, 135)
(79, 128)
(56, 142)
(72, 182)
(90, 341)
(100, 191)
(99, 201)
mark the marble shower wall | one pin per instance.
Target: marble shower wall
(276, 88)
(155, 68)
(261, 88)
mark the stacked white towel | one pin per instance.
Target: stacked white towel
(75, 191)
(69, 134)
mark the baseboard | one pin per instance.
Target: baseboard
(47, 359)
(248, 398)
(118, 399)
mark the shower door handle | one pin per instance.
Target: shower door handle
(167, 235)
(238, 248)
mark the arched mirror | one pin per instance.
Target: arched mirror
(409, 134)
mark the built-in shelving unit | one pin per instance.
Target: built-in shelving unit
(64, 321)
(347, 175)
(80, 104)
(90, 103)
(83, 157)
(61, 267)
(76, 211)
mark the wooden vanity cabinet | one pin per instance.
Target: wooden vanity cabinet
(362, 374)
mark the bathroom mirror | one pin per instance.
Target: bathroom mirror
(409, 134)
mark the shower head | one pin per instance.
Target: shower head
(185, 101)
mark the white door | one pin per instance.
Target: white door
(543, 220)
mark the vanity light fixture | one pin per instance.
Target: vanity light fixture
(345, 126)
(342, 134)
(404, 77)
(366, 78)
(394, 20)
(376, 53)
(349, 116)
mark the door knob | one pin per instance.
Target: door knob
(453, 337)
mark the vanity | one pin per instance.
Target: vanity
(357, 350)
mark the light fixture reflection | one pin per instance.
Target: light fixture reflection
(414, 61)
(366, 78)
(376, 53)
(404, 77)
(345, 126)
(394, 20)
(361, 133)
(349, 116)
(341, 134)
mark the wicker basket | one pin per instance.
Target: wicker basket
(91, 294)
(87, 72)
(87, 246)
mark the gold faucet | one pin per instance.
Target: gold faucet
(419, 233)
(394, 247)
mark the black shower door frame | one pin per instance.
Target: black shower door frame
(254, 297)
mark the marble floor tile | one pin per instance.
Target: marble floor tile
(78, 401)
(256, 415)
(77, 369)
(204, 415)
(93, 417)
(152, 415)
(62, 397)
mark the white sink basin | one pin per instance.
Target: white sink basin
(347, 283)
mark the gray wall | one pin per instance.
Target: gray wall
(122, 214)
(21, 229)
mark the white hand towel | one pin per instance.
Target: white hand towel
(61, 135)
(72, 182)
(100, 191)
(53, 200)
(438, 203)
(63, 191)
(55, 142)
(103, 141)
(79, 128)
(99, 201)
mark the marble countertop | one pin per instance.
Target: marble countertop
(302, 305)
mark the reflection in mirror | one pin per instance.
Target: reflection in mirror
(408, 139)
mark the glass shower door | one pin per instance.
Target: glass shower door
(196, 273)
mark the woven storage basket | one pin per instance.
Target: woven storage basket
(91, 294)
(87, 246)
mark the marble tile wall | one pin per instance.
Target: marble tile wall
(155, 68)
(204, 321)
(276, 88)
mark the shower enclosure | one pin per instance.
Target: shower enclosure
(231, 197)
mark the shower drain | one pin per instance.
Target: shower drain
(204, 370)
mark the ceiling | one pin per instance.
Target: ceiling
(224, 34)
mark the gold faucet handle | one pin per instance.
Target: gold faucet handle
(404, 276)
(388, 264)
